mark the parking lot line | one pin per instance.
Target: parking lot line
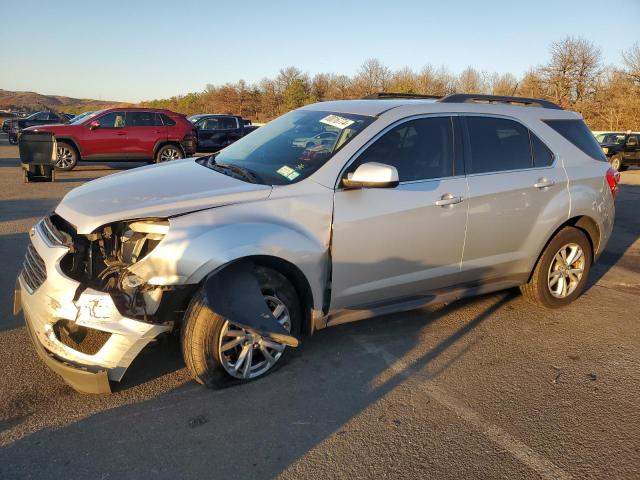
(525, 454)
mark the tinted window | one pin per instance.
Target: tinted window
(112, 120)
(143, 119)
(577, 132)
(166, 120)
(419, 149)
(227, 123)
(497, 144)
(542, 156)
(41, 116)
(53, 116)
(208, 124)
(633, 140)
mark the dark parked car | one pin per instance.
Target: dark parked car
(36, 119)
(218, 131)
(622, 149)
(123, 134)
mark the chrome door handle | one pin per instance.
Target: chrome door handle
(448, 199)
(544, 183)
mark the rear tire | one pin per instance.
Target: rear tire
(203, 332)
(67, 157)
(546, 287)
(167, 153)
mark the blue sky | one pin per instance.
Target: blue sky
(137, 50)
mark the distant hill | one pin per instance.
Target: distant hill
(32, 101)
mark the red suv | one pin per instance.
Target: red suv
(123, 134)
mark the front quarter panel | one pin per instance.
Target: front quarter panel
(293, 224)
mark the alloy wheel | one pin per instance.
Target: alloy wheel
(247, 355)
(169, 154)
(566, 270)
(65, 158)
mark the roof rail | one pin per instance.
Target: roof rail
(391, 95)
(477, 98)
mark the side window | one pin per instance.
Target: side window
(166, 120)
(227, 123)
(542, 156)
(142, 119)
(208, 124)
(42, 116)
(633, 141)
(419, 149)
(112, 120)
(497, 144)
(53, 116)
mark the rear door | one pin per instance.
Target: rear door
(631, 151)
(109, 140)
(144, 131)
(517, 192)
(392, 244)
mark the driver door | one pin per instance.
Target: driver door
(107, 141)
(393, 244)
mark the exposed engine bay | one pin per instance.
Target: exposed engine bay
(101, 261)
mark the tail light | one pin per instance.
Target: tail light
(613, 179)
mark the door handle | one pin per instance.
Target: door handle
(544, 183)
(120, 134)
(448, 199)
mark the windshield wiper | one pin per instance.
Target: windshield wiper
(240, 171)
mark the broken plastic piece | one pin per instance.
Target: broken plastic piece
(234, 293)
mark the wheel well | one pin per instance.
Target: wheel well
(584, 223)
(168, 142)
(72, 143)
(298, 280)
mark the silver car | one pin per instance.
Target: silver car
(246, 251)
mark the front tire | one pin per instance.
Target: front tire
(218, 354)
(67, 157)
(616, 162)
(562, 270)
(168, 153)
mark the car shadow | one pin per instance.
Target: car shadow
(260, 428)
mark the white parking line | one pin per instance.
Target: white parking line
(525, 454)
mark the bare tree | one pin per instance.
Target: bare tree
(372, 77)
(573, 69)
(631, 60)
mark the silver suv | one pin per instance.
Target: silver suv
(409, 201)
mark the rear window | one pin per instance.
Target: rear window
(577, 132)
(167, 121)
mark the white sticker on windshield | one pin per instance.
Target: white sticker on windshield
(288, 172)
(337, 121)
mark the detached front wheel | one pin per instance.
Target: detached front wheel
(218, 353)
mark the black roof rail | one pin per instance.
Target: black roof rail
(477, 98)
(391, 95)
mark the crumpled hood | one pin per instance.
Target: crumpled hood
(155, 191)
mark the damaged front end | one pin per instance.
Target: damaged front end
(101, 261)
(88, 314)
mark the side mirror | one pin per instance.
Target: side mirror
(93, 125)
(372, 175)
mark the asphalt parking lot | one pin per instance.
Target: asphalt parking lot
(490, 387)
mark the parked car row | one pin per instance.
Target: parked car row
(621, 148)
(13, 126)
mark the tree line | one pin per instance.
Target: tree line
(575, 77)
